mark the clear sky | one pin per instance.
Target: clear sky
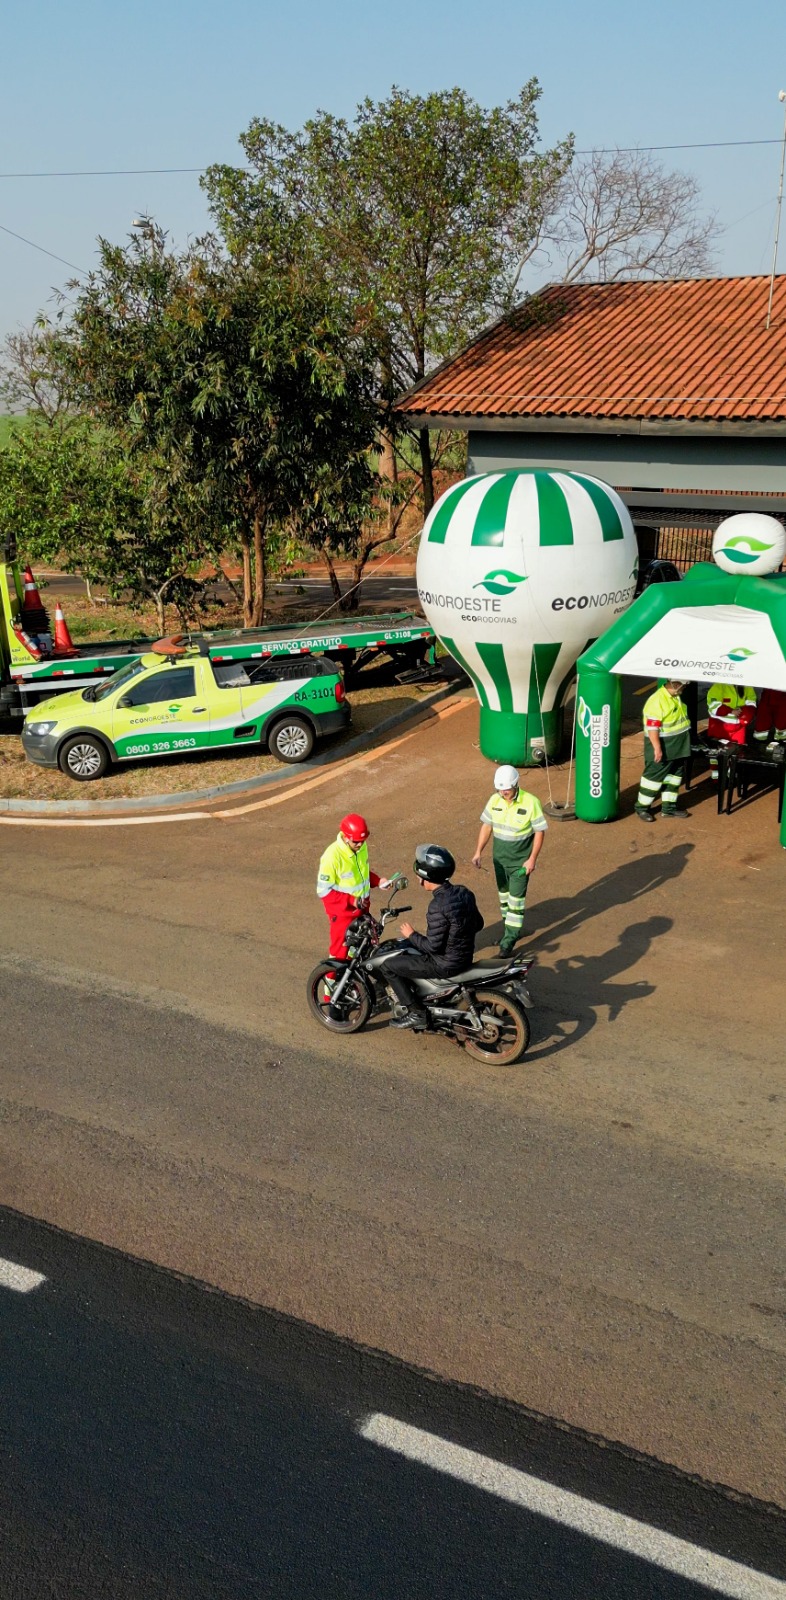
(171, 84)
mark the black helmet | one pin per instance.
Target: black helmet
(434, 862)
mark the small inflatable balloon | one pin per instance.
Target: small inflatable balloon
(749, 544)
(517, 573)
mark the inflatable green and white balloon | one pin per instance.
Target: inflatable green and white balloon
(750, 544)
(517, 573)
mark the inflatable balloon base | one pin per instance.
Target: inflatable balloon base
(524, 740)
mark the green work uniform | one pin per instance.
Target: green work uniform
(514, 824)
(668, 714)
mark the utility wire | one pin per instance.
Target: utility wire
(83, 273)
(605, 150)
(110, 172)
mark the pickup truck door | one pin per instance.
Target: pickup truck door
(167, 709)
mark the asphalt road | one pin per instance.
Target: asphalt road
(392, 589)
(161, 1440)
(597, 1236)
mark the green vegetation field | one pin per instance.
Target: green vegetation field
(7, 424)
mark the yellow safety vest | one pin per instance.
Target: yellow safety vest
(667, 713)
(344, 869)
(719, 694)
(515, 820)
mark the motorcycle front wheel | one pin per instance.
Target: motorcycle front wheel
(505, 1033)
(354, 1005)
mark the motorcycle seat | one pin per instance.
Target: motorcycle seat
(490, 969)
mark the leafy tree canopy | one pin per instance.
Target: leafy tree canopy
(420, 214)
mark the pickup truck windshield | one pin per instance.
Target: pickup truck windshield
(118, 680)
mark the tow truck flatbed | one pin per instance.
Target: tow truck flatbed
(25, 681)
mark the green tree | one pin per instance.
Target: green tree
(72, 495)
(245, 382)
(421, 214)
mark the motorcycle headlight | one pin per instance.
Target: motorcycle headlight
(40, 728)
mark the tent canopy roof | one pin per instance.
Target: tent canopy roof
(713, 626)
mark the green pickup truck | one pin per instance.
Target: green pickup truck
(31, 671)
(176, 699)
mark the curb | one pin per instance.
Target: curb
(163, 802)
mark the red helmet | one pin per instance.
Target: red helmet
(354, 827)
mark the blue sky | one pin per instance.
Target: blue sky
(90, 85)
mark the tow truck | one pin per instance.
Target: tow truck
(33, 670)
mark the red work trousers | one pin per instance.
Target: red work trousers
(341, 910)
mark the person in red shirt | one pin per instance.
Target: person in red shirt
(732, 709)
(770, 724)
(345, 880)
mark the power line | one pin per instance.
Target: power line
(81, 270)
(649, 149)
(111, 172)
(605, 150)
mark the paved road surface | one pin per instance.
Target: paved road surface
(392, 589)
(597, 1235)
(161, 1441)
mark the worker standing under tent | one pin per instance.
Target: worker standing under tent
(732, 709)
(770, 724)
(666, 749)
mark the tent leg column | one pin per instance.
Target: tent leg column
(598, 733)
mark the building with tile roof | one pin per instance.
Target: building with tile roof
(673, 391)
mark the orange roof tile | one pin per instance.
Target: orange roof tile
(693, 349)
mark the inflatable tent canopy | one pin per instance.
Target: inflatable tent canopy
(714, 626)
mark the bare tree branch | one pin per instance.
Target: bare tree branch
(622, 215)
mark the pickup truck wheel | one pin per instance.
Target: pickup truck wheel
(83, 758)
(292, 739)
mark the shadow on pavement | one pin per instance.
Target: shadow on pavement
(141, 1459)
(553, 919)
(569, 994)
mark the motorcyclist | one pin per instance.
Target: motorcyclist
(345, 879)
(448, 945)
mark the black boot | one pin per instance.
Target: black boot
(404, 1018)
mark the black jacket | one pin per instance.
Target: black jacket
(452, 920)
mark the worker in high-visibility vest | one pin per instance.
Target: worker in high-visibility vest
(666, 748)
(515, 819)
(770, 724)
(732, 709)
(345, 880)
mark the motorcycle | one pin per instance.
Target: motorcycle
(483, 1009)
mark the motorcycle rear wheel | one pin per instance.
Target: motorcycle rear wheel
(355, 1002)
(507, 1030)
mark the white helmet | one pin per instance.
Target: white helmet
(506, 778)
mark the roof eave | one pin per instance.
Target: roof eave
(462, 423)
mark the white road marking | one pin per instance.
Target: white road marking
(23, 1279)
(663, 1550)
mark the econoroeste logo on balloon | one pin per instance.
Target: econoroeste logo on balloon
(740, 654)
(745, 550)
(500, 581)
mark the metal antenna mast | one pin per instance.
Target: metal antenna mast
(781, 96)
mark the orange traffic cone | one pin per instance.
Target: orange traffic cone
(64, 644)
(24, 639)
(32, 600)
